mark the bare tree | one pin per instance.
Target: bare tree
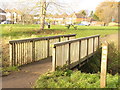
(46, 6)
(43, 13)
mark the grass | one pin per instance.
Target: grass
(74, 79)
(7, 70)
(10, 31)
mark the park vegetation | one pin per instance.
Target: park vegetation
(87, 76)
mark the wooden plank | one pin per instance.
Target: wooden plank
(16, 54)
(11, 54)
(66, 48)
(103, 65)
(83, 48)
(42, 38)
(30, 53)
(48, 49)
(98, 41)
(25, 52)
(74, 40)
(90, 49)
(69, 58)
(33, 51)
(87, 46)
(79, 50)
(93, 45)
(54, 59)
(22, 53)
(40, 50)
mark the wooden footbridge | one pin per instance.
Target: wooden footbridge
(65, 50)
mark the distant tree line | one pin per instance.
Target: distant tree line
(107, 11)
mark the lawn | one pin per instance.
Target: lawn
(11, 32)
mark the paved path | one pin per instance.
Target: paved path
(113, 38)
(26, 77)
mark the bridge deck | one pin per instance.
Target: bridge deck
(26, 77)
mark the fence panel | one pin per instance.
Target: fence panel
(30, 50)
(74, 51)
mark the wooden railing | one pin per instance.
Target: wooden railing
(34, 49)
(72, 52)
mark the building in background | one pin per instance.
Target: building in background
(13, 15)
(2, 15)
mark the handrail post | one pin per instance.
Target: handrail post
(79, 51)
(87, 48)
(59, 39)
(11, 54)
(93, 44)
(68, 38)
(98, 41)
(69, 56)
(48, 48)
(53, 58)
(103, 65)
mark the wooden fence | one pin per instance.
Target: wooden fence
(72, 52)
(29, 50)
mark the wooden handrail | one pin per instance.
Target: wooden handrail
(42, 38)
(74, 52)
(74, 40)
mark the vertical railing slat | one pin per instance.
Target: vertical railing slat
(33, 50)
(79, 50)
(53, 59)
(11, 54)
(48, 49)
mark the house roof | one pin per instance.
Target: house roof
(78, 15)
(13, 10)
(2, 11)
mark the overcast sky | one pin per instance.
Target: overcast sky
(72, 5)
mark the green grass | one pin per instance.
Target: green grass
(29, 31)
(7, 70)
(74, 79)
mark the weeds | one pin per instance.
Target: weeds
(7, 70)
(74, 79)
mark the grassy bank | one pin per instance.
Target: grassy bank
(74, 79)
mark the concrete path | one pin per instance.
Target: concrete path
(26, 77)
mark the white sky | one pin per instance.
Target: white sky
(73, 5)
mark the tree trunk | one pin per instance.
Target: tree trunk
(43, 14)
